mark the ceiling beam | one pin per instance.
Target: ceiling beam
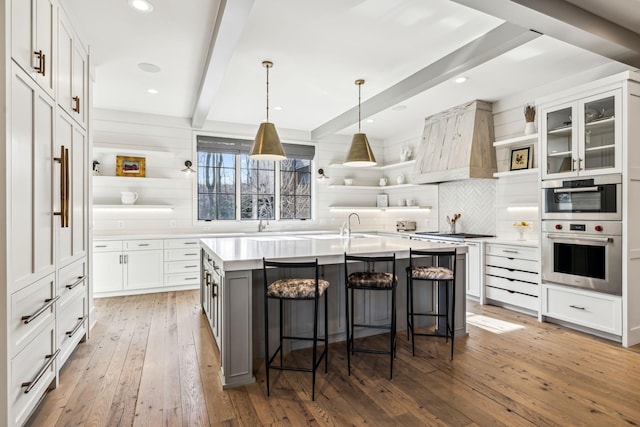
(569, 23)
(486, 47)
(230, 21)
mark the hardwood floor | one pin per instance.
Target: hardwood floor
(151, 361)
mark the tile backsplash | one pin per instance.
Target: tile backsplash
(475, 199)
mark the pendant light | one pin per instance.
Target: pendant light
(360, 154)
(267, 144)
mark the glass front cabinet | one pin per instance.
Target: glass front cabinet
(582, 137)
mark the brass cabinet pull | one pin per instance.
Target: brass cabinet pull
(77, 327)
(64, 186)
(42, 62)
(76, 283)
(76, 106)
(48, 303)
(31, 384)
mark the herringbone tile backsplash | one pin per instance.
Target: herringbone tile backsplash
(475, 199)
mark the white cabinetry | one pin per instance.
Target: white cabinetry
(32, 36)
(181, 262)
(582, 136)
(72, 72)
(512, 276)
(129, 265)
(474, 269)
(598, 311)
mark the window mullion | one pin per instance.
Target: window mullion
(238, 188)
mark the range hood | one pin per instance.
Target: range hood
(456, 144)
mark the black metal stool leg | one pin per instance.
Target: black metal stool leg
(266, 339)
(348, 330)
(314, 368)
(326, 336)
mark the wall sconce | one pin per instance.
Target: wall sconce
(322, 178)
(188, 168)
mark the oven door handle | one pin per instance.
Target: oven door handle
(582, 238)
(577, 190)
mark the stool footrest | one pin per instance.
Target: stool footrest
(371, 351)
(361, 325)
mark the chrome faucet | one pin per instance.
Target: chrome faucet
(264, 212)
(348, 223)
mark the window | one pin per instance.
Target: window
(232, 186)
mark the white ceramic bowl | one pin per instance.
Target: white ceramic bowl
(348, 181)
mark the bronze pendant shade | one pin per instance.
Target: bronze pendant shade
(266, 145)
(360, 153)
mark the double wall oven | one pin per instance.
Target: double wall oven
(582, 233)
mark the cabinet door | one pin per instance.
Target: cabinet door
(72, 239)
(474, 272)
(31, 197)
(600, 151)
(107, 271)
(559, 145)
(65, 64)
(144, 269)
(79, 83)
(32, 39)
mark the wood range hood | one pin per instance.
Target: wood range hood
(456, 144)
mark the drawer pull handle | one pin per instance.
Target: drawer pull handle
(509, 251)
(143, 244)
(48, 303)
(100, 246)
(577, 307)
(190, 243)
(190, 254)
(190, 266)
(77, 327)
(31, 384)
(77, 282)
(190, 278)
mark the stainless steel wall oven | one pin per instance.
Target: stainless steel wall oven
(585, 254)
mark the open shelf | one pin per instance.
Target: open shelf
(516, 173)
(132, 207)
(516, 140)
(382, 167)
(379, 208)
(110, 179)
(371, 187)
(126, 151)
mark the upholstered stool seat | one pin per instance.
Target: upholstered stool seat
(440, 274)
(371, 280)
(293, 289)
(296, 288)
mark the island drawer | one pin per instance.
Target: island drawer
(512, 298)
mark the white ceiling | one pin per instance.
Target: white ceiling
(318, 48)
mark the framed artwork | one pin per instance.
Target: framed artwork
(520, 158)
(382, 201)
(130, 166)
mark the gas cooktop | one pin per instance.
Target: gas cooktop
(452, 236)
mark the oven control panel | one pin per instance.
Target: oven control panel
(583, 227)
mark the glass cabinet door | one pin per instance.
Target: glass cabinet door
(599, 134)
(559, 140)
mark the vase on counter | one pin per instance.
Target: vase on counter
(521, 227)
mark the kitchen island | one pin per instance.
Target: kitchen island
(232, 288)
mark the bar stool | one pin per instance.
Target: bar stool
(370, 280)
(294, 289)
(441, 275)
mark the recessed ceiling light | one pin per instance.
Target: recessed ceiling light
(399, 107)
(148, 67)
(152, 91)
(461, 79)
(143, 6)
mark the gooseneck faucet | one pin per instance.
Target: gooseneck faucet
(348, 222)
(264, 212)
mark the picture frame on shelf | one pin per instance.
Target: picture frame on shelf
(520, 158)
(130, 166)
(382, 200)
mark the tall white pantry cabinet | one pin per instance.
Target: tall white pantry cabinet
(44, 216)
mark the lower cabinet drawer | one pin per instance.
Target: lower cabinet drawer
(72, 279)
(32, 309)
(72, 323)
(602, 312)
(181, 279)
(513, 285)
(182, 254)
(192, 266)
(519, 252)
(512, 298)
(182, 244)
(512, 263)
(32, 370)
(512, 274)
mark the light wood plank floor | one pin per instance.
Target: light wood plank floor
(151, 361)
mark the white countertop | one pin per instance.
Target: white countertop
(246, 252)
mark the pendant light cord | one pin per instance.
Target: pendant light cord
(267, 67)
(359, 90)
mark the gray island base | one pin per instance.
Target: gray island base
(232, 290)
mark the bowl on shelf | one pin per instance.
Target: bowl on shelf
(348, 181)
